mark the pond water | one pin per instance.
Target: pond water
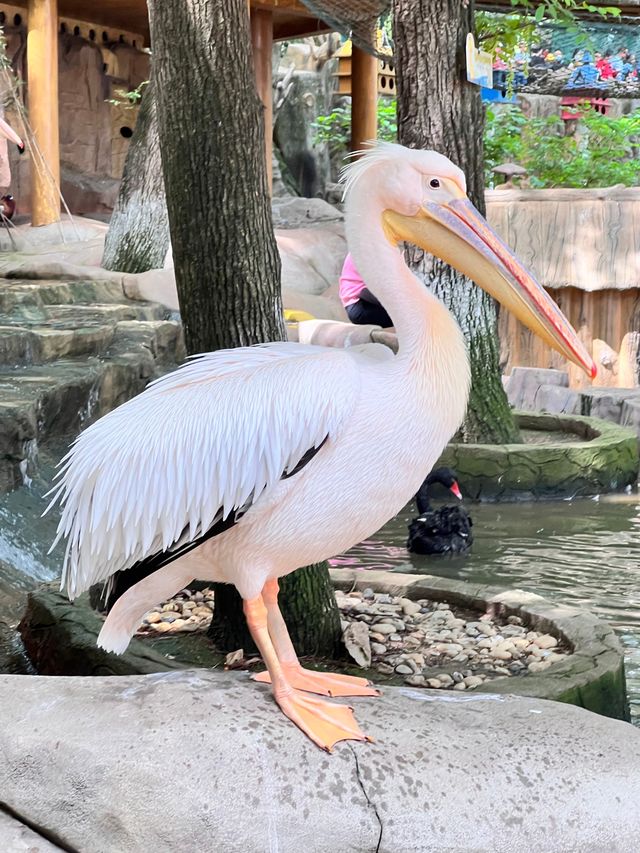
(584, 553)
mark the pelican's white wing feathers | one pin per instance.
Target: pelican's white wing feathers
(195, 445)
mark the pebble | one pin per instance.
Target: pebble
(546, 641)
(409, 608)
(152, 617)
(384, 628)
(460, 686)
(378, 648)
(415, 680)
(403, 669)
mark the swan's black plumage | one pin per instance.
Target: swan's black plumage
(446, 530)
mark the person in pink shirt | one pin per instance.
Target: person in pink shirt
(361, 305)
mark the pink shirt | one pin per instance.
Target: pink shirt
(351, 285)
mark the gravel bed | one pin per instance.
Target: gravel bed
(434, 645)
(428, 643)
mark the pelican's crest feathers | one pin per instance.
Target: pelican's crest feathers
(375, 152)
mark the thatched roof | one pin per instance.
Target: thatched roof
(589, 239)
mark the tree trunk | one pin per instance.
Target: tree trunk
(138, 235)
(439, 109)
(226, 259)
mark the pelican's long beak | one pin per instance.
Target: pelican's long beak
(454, 231)
(9, 133)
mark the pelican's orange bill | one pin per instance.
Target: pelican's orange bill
(455, 231)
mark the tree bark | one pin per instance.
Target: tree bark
(226, 259)
(138, 235)
(439, 109)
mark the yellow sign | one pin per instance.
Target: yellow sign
(479, 65)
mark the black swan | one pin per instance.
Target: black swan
(440, 531)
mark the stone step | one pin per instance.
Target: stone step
(21, 345)
(74, 316)
(38, 293)
(67, 331)
(57, 398)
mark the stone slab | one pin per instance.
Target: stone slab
(204, 761)
(557, 399)
(15, 837)
(523, 384)
(606, 403)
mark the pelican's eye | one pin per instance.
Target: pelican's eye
(434, 183)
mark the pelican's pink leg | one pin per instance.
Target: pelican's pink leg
(324, 683)
(324, 723)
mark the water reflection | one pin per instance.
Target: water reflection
(583, 552)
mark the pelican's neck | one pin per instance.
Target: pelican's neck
(421, 321)
(431, 347)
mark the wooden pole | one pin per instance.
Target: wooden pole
(364, 98)
(262, 43)
(42, 93)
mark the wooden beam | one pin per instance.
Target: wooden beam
(364, 98)
(42, 93)
(262, 42)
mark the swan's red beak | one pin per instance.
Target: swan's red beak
(455, 489)
(453, 230)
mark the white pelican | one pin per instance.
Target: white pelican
(245, 464)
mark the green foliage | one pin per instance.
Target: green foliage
(600, 154)
(507, 31)
(127, 99)
(335, 128)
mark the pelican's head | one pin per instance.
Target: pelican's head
(423, 196)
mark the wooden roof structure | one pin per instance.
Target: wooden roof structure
(291, 18)
(270, 20)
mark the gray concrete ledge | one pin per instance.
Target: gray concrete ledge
(204, 761)
(592, 677)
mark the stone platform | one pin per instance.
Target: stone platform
(205, 761)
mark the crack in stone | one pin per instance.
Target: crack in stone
(42, 831)
(367, 798)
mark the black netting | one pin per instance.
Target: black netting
(359, 19)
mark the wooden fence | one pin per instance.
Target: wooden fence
(584, 247)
